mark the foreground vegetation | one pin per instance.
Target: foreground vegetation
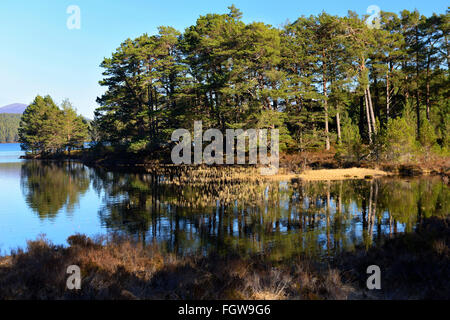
(414, 266)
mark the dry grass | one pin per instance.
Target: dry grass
(205, 174)
(121, 269)
(413, 266)
(341, 174)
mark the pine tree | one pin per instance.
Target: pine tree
(400, 140)
(39, 126)
(74, 128)
(46, 129)
(304, 79)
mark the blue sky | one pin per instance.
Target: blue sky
(40, 55)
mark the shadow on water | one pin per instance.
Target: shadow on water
(277, 218)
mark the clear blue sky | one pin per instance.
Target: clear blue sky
(40, 55)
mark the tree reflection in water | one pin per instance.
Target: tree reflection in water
(278, 218)
(282, 218)
(50, 186)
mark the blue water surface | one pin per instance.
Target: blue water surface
(10, 152)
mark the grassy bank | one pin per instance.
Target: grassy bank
(413, 266)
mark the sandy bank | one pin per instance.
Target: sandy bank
(326, 174)
(341, 174)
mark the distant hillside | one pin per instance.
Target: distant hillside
(9, 125)
(16, 108)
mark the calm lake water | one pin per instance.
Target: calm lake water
(282, 218)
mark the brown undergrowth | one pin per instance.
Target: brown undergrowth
(121, 269)
(413, 266)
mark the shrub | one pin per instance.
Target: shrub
(351, 147)
(400, 140)
(428, 138)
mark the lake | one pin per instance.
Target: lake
(280, 218)
(10, 152)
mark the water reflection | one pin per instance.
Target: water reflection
(316, 218)
(280, 218)
(50, 186)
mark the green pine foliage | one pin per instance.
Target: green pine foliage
(351, 148)
(302, 79)
(9, 125)
(400, 141)
(45, 128)
(324, 81)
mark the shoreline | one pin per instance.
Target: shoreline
(366, 171)
(306, 166)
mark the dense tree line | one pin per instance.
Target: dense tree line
(46, 128)
(9, 125)
(322, 80)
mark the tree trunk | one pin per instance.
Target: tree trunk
(388, 98)
(325, 105)
(388, 91)
(368, 116)
(417, 83)
(338, 124)
(372, 115)
(428, 88)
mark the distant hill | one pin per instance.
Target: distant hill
(17, 108)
